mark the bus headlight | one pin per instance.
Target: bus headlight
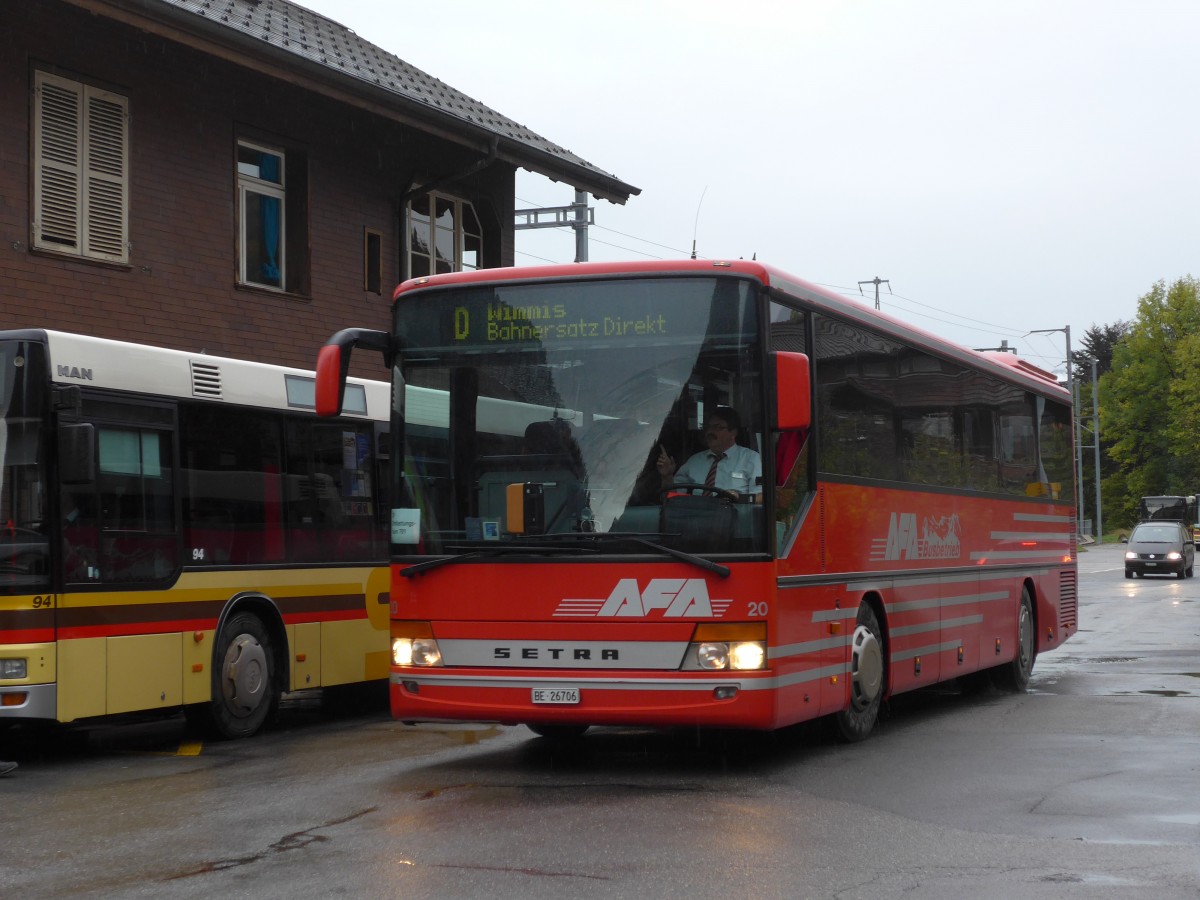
(740, 656)
(728, 648)
(413, 644)
(416, 652)
(713, 655)
(13, 668)
(747, 655)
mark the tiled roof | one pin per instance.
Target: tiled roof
(316, 41)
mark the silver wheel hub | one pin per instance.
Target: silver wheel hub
(1025, 637)
(866, 668)
(244, 675)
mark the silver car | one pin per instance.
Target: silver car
(1160, 548)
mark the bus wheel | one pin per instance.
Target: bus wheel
(866, 678)
(1015, 675)
(560, 733)
(245, 692)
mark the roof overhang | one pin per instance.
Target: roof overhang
(204, 34)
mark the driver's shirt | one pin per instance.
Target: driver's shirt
(740, 470)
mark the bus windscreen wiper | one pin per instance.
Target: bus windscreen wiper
(634, 537)
(474, 551)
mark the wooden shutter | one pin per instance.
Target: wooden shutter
(81, 160)
(105, 155)
(58, 122)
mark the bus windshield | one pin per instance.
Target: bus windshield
(534, 412)
(24, 542)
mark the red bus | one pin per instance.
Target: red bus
(899, 510)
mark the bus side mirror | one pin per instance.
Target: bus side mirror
(793, 391)
(77, 453)
(333, 365)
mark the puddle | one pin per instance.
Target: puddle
(1167, 693)
(1181, 819)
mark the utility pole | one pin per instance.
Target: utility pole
(1096, 446)
(578, 216)
(1075, 425)
(877, 281)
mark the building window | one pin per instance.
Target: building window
(443, 235)
(80, 165)
(261, 216)
(372, 261)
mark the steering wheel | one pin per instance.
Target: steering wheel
(694, 486)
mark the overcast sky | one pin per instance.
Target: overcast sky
(1006, 166)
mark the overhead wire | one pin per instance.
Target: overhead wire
(990, 329)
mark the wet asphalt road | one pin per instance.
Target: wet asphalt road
(1087, 786)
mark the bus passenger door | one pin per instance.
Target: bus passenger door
(120, 531)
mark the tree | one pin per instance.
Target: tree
(1097, 343)
(1145, 410)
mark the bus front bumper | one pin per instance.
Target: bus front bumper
(646, 699)
(29, 701)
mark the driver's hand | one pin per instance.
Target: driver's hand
(665, 463)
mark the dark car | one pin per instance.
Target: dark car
(1160, 548)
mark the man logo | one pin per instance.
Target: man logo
(75, 372)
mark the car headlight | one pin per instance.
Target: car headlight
(1129, 554)
(1175, 555)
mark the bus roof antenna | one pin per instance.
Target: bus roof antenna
(696, 224)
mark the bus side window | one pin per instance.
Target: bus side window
(790, 332)
(329, 490)
(137, 504)
(231, 480)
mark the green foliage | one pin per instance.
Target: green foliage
(1097, 343)
(1148, 401)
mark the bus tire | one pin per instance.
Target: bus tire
(245, 686)
(558, 733)
(867, 682)
(1014, 676)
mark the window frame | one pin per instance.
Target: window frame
(249, 184)
(464, 241)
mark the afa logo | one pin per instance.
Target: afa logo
(668, 598)
(937, 538)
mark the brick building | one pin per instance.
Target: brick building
(240, 176)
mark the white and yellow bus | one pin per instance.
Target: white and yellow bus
(180, 531)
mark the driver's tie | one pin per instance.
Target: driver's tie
(710, 480)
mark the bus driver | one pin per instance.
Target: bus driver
(725, 465)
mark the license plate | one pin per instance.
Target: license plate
(559, 696)
(1151, 564)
